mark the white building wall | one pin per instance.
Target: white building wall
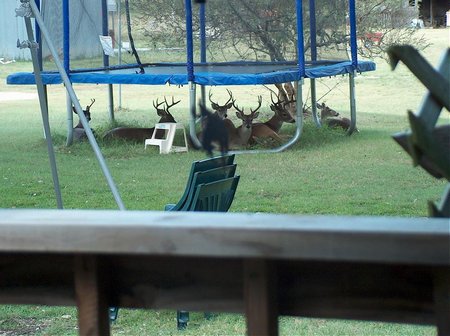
(11, 29)
(85, 22)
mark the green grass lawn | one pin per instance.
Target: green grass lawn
(326, 172)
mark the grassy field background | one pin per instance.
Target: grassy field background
(326, 172)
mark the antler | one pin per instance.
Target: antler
(92, 103)
(277, 103)
(156, 105)
(259, 105)
(231, 97)
(173, 103)
(241, 111)
(215, 105)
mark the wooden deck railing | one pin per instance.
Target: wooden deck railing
(262, 265)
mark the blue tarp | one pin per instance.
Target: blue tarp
(215, 74)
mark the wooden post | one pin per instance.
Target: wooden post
(260, 298)
(93, 317)
(442, 301)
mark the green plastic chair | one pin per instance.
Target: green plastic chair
(215, 196)
(203, 177)
(199, 166)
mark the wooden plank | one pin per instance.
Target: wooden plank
(261, 307)
(442, 300)
(374, 239)
(93, 317)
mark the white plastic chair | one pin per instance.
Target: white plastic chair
(166, 144)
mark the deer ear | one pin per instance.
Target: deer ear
(238, 114)
(214, 106)
(230, 105)
(160, 112)
(319, 106)
(272, 107)
(256, 115)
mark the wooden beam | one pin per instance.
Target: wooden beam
(442, 301)
(260, 295)
(93, 317)
(373, 239)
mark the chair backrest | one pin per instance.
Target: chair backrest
(215, 196)
(203, 165)
(206, 176)
(211, 163)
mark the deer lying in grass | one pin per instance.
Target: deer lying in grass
(139, 134)
(270, 128)
(79, 132)
(286, 92)
(332, 119)
(240, 136)
(221, 111)
(214, 132)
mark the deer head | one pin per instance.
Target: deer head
(325, 111)
(247, 120)
(280, 110)
(221, 110)
(164, 113)
(87, 113)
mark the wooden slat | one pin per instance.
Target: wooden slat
(442, 300)
(261, 308)
(375, 239)
(93, 317)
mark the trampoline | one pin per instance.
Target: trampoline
(230, 73)
(66, 35)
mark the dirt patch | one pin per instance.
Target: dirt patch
(11, 96)
(21, 326)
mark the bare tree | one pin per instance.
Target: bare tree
(384, 23)
(266, 29)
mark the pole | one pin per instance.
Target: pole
(77, 106)
(44, 112)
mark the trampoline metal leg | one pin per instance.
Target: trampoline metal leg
(192, 109)
(314, 102)
(111, 102)
(69, 112)
(352, 127)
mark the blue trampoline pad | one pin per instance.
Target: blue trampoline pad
(234, 73)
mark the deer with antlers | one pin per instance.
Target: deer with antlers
(138, 134)
(208, 119)
(270, 128)
(222, 110)
(240, 136)
(79, 133)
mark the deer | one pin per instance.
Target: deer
(79, 133)
(270, 128)
(332, 119)
(138, 134)
(240, 136)
(214, 132)
(221, 110)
